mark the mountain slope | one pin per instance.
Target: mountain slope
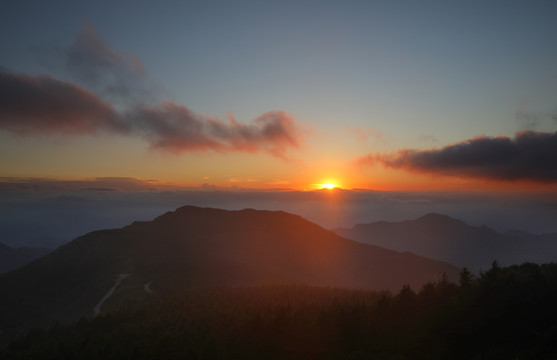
(444, 238)
(11, 259)
(200, 247)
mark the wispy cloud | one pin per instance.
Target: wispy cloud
(428, 138)
(14, 184)
(32, 105)
(175, 128)
(111, 73)
(528, 156)
(363, 134)
(528, 119)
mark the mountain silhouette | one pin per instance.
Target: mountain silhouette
(444, 238)
(199, 247)
(11, 258)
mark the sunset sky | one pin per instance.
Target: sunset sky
(417, 96)
(282, 94)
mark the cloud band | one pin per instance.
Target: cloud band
(528, 155)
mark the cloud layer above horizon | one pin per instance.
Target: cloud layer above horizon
(120, 103)
(528, 156)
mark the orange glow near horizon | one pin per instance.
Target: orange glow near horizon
(318, 176)
(328, 184)
(382, 180)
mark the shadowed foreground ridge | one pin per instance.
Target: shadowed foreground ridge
(199, 248)
(505, 313)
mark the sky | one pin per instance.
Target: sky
(385, 96)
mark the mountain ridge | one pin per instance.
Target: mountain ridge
(444, 238)
(200, 247)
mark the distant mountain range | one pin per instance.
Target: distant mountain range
(11, 259)
(443, 238)
(193, 248)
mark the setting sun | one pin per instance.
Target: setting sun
(327, 186)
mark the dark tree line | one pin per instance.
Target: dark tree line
(504, 313)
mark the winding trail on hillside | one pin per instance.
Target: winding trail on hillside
(117, 283)
(147, 287)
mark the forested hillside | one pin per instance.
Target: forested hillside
(505, 313)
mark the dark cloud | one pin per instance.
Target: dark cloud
(119, 76)
(31, 105)
(175, 128)
(172, 127)
(42, 104)
(528, 156)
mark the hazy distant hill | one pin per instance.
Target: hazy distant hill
(200, 247)
(11, 259)
(444, 238)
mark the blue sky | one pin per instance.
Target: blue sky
(377, 95)
(447, 69)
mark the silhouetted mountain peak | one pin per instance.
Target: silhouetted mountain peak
(444, 238)
(195, 247)
(211, 221)
(189, 210)
(431, 221)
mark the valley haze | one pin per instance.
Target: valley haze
(49, 213)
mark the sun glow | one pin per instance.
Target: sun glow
(326, 186)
